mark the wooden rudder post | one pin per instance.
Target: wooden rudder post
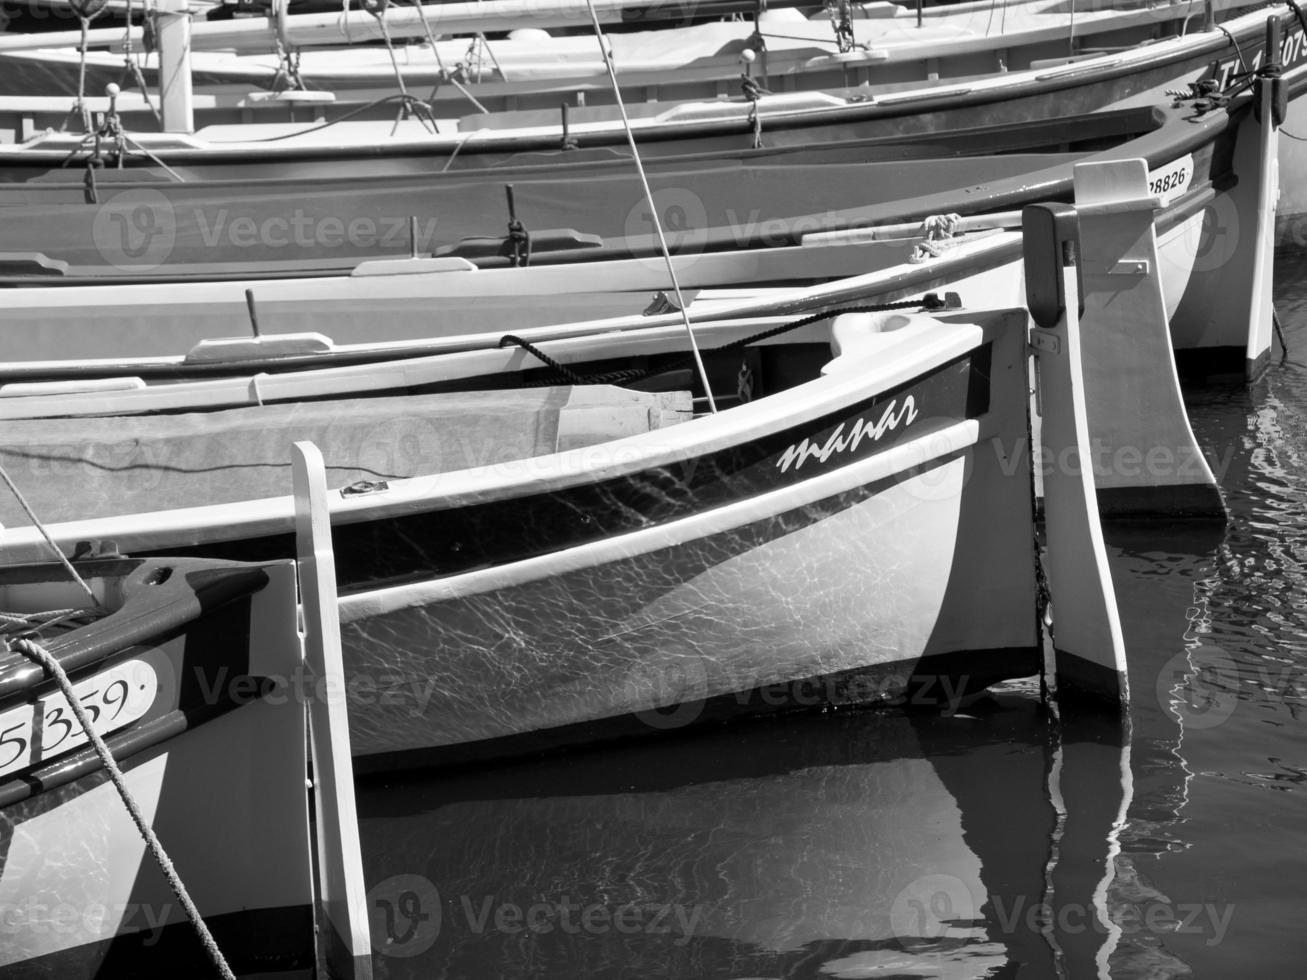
(344, 939)
(1088, 649)
(1146, 459)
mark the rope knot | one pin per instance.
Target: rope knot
(938, 227)
(841, 22)
(88, 9)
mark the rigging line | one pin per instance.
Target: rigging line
(445, 73)
(58, 552)
(794, 37)
(1243, 64)
(134, 65)
(653, 209)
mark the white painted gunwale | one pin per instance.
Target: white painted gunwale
(477, 353)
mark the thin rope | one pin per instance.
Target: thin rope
(81, 77)
(379, 12)
(445, 73)
(512, 340)
(1297, 12)
(653, 208)
(33, 623)
(36, 522)
(930, 301)
(133, 65)
(458, 147)
(129, 145)
(1243, 63)
(38, 653)
(490, 53)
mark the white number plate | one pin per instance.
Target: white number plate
(1171, 180)
(111, 699)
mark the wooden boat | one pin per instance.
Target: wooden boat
(638, 575)
(144, 228)
(412, 307)
(786, 41)
(899, 104)
(216, 768)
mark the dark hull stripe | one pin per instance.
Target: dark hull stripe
(402, 548)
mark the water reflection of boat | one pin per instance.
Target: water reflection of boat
(877, 844)
(863, 845)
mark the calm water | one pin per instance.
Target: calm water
(882, 845)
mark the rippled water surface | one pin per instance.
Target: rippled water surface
(881, 844)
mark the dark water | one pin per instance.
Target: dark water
(875, 845)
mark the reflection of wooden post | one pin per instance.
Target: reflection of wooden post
(1088, 649)
(1091, 787)
(344, 945)
(175, 66)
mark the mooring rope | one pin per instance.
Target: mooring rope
(409, 101)
(928, 302)
(34, 651)
(36, 522)
(132, 65)
(86, 11)
(445, 73)
(653, 208)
